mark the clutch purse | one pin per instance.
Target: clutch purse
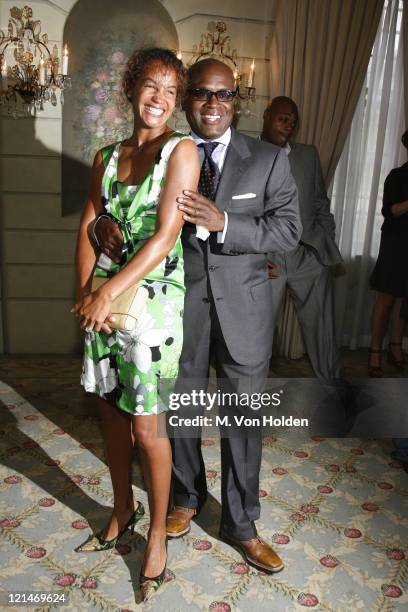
(127, 307)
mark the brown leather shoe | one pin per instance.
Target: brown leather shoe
(256, 552)
(178, 521)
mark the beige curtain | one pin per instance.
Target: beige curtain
(319, 56)
(405, 50)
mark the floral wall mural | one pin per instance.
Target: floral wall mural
(96, 112)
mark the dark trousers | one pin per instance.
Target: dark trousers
(240, 449)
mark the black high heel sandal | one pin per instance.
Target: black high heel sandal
(392, 360)
(96, 543)
(374, 371)
(149, 586)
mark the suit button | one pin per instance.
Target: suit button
(212, 268)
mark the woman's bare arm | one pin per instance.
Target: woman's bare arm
(400, 208)
(85, 256)
(183, 171)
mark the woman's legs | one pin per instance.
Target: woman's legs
(117, 433)
(379, 323)
(397, 330)
(156, 461)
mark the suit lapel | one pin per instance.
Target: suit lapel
(234, 165)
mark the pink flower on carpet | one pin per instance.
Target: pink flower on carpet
(301, 454)
(357, 451)
(369, 506)
(268, 440)
(308, 600)
(85, 445)
(31, 417)
(325, 489)
(11, 406)
(329, 561)
(58, 432)
(52, 462)
(94, 481)
(202, 545)
(333, 467)
(207, 442)
(14, 479)
(169, 575)
(352, 532)
(46, 502)
(65, 580)
(310, 509)
(396, 554)
(262, 493)
(89, 583)
(280, 538)
(211, 473)
(122, 550)
(9, 523)
(220, 606)
(240, 568)
(280, 471)
(80, 524)
(297, 516)
(77, 478)
(36, 552)
(385, 485)
(391, 590)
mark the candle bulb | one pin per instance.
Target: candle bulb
(251, 74)
(41, 78)
(179, 55)
(4, 74)
(65, 61)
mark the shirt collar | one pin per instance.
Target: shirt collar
(287, 148)
(224, 139)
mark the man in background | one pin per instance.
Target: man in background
(307, 269)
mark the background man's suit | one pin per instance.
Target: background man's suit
(306, 269)
(227, 309)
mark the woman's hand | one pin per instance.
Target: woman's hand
(93, 310)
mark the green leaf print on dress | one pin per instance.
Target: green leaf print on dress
(128, 366)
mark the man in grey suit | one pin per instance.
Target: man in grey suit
(306, 270)
(248, 203)
(252, 210)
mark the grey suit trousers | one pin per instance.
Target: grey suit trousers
(310, 284)
(240, 450)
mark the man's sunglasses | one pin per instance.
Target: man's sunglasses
(201, 94)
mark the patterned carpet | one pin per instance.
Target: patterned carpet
(337, 511)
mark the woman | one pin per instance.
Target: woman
(137, 182)
(390, 272)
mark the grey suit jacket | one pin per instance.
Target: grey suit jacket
(235, 272)
(317, 220)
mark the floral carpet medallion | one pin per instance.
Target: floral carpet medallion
(336, 511)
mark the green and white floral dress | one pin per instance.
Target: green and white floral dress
(126, 367)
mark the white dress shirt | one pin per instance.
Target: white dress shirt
(218, 157)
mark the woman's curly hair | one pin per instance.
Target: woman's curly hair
(143, 57)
